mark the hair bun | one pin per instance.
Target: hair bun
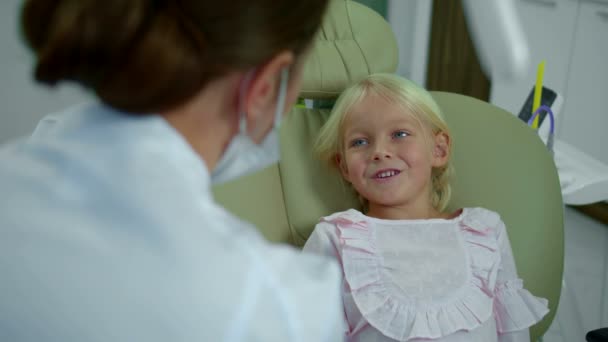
(146, 62)
(72, 40)
(152, 55)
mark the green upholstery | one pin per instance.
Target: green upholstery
(499, 162)
(310, 188)
(352, 43)
(258, 199)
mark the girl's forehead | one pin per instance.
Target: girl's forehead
(361, 117)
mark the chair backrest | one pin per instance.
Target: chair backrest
(500, 163)
(352, 43)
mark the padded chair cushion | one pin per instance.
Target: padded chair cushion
(311, 189)
(500, 164)
(258, 199)
(353, 42)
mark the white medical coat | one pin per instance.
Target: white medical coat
(109, 232)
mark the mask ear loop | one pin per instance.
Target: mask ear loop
(278, 116)
(242, 88)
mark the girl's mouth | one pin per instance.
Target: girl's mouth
(384, 174)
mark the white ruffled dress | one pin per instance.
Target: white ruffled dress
(419, 280)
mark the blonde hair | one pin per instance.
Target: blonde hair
(414, 99)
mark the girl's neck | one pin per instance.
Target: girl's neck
(405, 212)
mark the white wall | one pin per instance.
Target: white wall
(23, 102)
(411, 23)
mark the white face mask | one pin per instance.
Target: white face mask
(243, 156)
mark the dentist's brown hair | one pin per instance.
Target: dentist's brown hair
(151, 55)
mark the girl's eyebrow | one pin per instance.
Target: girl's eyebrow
(352, 136)
(357, 130)
(353, 128)
(405, 122)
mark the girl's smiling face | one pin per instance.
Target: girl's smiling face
(389, 155)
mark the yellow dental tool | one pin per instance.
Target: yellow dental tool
(538, 91)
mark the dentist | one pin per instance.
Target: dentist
(108, 228)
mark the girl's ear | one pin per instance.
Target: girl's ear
(441, 149)
(341, 165)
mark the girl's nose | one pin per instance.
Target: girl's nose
(381, 152)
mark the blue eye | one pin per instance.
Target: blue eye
(358, 142)
(400, 134)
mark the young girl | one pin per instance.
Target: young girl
(411, 270)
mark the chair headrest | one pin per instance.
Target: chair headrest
(353, 42)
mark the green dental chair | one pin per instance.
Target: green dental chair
(500, 163)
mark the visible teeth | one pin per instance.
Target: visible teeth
(387, 174)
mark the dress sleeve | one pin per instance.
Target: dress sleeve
(323, 241)
(515, 308)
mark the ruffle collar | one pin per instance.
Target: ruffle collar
(401, 318)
